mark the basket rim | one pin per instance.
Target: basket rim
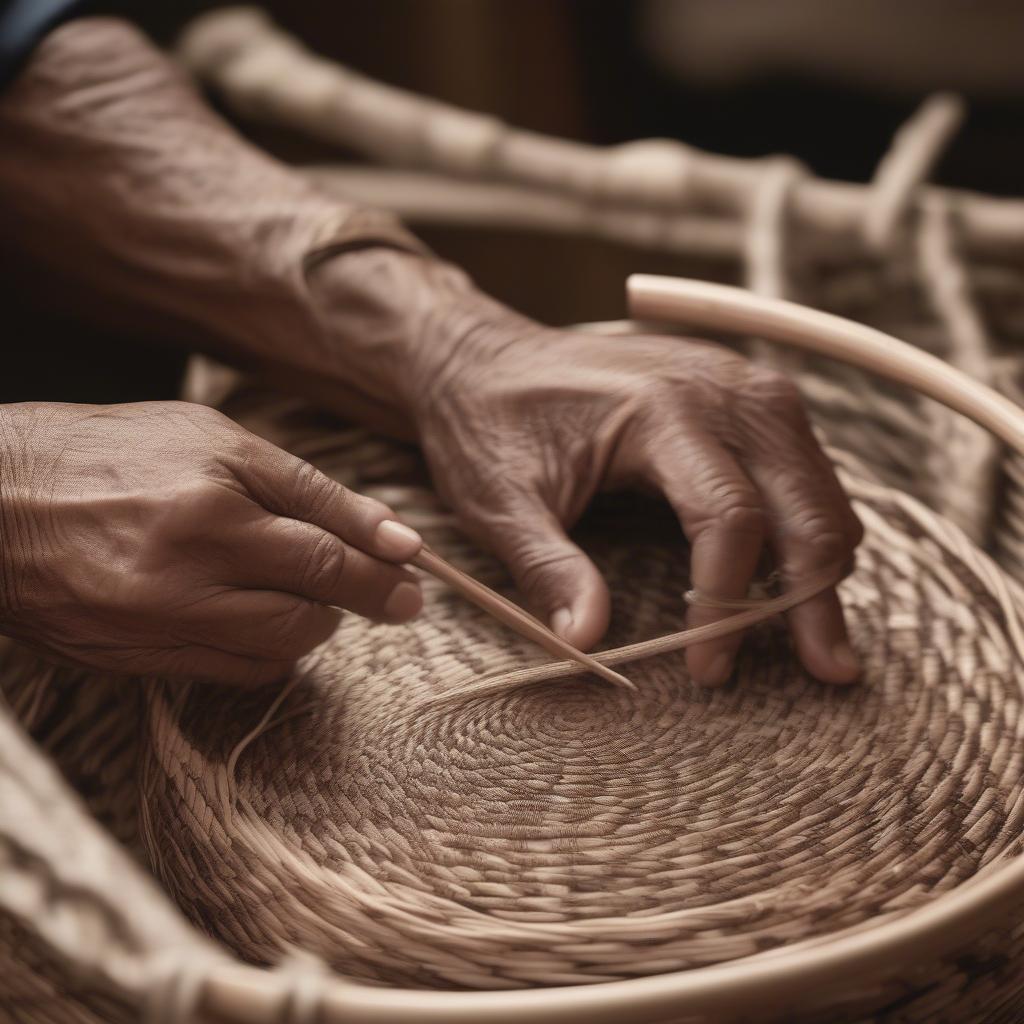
(777, 975)
(234, 990)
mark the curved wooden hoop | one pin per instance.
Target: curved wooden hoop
(720, 307)
(237, 994)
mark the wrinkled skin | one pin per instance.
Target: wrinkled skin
(523, 424)
(163, 538)
(520, 445)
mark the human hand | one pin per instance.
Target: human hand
(171, 226)
(161, 538)
(522, 425)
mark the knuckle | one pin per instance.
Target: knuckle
(823, 539)
(313, 490)
(775, 392)
(182, 512)
(244, 449)
(323, 568)
(538, 566)
(733, 507)
(741, 514)
(202, 429)
(196, 501)
(773, 384)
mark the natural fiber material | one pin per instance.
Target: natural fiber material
(409, 825)
(571, 833)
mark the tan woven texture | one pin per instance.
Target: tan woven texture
(566, 833)
(569, 833)
(573, 833)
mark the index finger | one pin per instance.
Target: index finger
(294, 489)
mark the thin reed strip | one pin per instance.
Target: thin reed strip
(667, 644)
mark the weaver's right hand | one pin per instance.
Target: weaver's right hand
(161, 538)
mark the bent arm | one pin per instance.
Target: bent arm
(140, 209)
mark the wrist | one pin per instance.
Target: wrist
(401, 326)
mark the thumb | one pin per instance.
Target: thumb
(561, 585)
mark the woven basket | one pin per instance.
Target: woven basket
(773, 851)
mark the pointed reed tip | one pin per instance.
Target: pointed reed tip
(619, 680)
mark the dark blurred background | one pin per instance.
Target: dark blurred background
(828, 82)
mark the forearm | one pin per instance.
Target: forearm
(139, 207)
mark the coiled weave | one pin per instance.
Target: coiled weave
(569, 833)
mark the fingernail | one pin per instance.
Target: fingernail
(561, 622)
(845, 658)
(719, 670)
(404, 602)
(396, 540)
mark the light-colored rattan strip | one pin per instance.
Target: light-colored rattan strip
(744, 619)
(720, 307)
(627, 191)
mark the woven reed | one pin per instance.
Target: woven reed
(568, 833)
(572, 833)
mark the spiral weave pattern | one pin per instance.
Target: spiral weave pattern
(570, 833)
